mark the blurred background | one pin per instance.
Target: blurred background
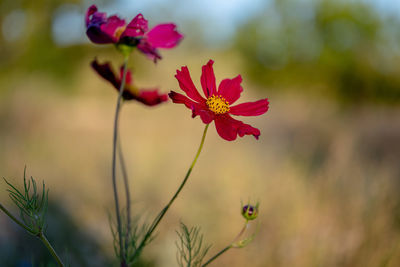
(326, 169)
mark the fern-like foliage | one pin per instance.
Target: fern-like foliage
(190, 247)
(136, 234)
(32, 204)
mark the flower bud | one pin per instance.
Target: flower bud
(250, 212)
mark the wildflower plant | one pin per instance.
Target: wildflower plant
(191, 249)
(217, 104)
(32, 207)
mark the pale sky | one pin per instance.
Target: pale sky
(217, 18)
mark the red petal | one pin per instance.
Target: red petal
(250, 108)
(197, 108)
(105, 71)
(128, 78)
(181, 99)
(228, 128)
(137, 27)
(230, 89)
(186, 84)
(151, 97)
(208, 79)
(164, 36)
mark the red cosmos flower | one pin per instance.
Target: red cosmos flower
(104, 30)
(217, 104)
(147, 97)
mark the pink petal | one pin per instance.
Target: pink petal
(230, 89)
(228, 128)
(151, 97)
(94, 21)
(111, 26)
(250, 108)
(197, 108)
(137, 27)
(150, 51)
(91, 10)
(164, 36)
(186, 84)
(208, 79)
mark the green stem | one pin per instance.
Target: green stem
(114, 180)
(217, 255)
(165, 209)
(40, 235)
(227, 247)
(16, 220)
(43, 238)
(127, 193)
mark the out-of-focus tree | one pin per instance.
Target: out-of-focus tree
(340, 48)
(27, 40)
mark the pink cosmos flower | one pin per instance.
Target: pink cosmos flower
(147, 97)
(104, 30)
(217, 104)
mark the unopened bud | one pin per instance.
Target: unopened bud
(250, 212)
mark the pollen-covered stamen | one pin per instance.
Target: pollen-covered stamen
(217, 104)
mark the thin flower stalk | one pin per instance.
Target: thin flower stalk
(231, 245)
(127, 193)
(16, 220)
(165, 209)
(114, 155)
(249, 212)
(217, 255)
(43, 238)
(32, 207)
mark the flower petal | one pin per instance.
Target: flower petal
(150, 51)
(164, 36)
(105, 71)
(137, 27)
(231, 89)
(186, 84)
(128, 78)
(94, 21)
(197, 108)
(92, 10)
(97, 36)
(228, 128)
(151, 97)
(111, 27)
(250, 108)
(208, 79)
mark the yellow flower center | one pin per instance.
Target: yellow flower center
(217, 104)
(119, 31)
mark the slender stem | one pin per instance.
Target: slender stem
(127, 193)
(16, 220)
(114, 180)
(165, 209)
(227, 247)
(42, 237)
(217, 255)
(241, 232)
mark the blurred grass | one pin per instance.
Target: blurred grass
(327, 178)
(326, 174)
